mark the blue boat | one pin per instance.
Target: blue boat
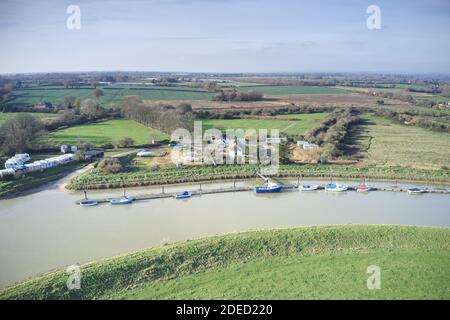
(123, 200)
(270, 188)
(183, 195)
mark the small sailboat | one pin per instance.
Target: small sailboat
(415, 191)
(306, 187)
(183, 195)
(123, 200)
(88, 203)
(271, 187)
(363, 188)
(336, 187)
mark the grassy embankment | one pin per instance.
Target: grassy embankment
(36, 179)
(328, 262)
(104, 132)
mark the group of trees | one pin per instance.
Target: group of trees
(166, 118)
(331, 132)
(16, 133)
(234, 95)
(110, 165)
(433, 121)
(257, 112)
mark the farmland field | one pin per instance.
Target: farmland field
(287, 90)
(111, 94)
(100, 133)
(6, 115)
(298, 125)
(390, 144)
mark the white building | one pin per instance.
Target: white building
(306, 145)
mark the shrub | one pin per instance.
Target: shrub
(110, 165)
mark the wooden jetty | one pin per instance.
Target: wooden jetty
(286, 187)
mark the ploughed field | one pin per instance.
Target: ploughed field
(326, 262)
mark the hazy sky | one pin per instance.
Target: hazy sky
(225, 36)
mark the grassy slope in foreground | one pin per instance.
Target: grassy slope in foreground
(310, 262)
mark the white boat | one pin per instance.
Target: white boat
(123, 200)
(336, 187)
(88, 203)
(306, 187)
(415, 191)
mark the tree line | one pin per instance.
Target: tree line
(330, 134)
(163, 117)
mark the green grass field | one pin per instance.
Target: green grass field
(111, 94)
(299, 124)
(286, 90)
(6, 115)
(100, 133)
(327, 262)
(390, 144)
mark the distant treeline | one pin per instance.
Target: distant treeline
(241, 112)
(439, 122)
(164, 117)
(331, 132)
(234, 95)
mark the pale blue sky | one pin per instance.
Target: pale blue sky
(225, 36)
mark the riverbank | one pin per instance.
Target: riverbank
(36, 181)
(98, 180)
(311, 262)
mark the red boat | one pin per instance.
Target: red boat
(363, 188)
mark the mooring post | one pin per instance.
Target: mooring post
(200, 187)
(162, 189)
(85, 195)
(298, 181)
(234, 184)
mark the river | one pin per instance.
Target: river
(46, 230)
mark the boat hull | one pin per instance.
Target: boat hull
(336, 188)
(308, 188)
(183, 196)
(88, 203)
(268, 189)
(413, 191)
(121, 201)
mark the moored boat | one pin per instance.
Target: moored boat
(123, 200)
(88, 203)
(415, 191)
(270, 188)
(336, 187)
(183, 195)
(308, 187)
(363, 188)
